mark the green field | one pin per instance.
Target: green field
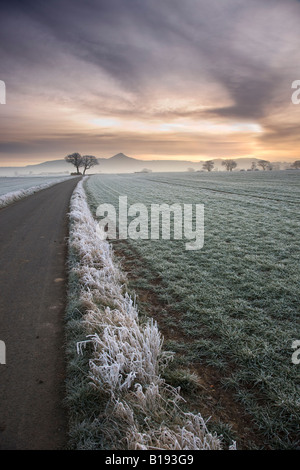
(231, 309)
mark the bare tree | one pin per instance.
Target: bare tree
(296, 164)
(75, 159)
(208, 165)
(229, 164)
(263, 164)
(88, 161)
(253, 166)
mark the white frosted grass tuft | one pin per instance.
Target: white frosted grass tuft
(14, 196)
(142, 410)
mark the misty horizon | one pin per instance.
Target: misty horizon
(121, 163)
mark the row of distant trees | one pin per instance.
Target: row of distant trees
(88, 161)
(81, 161)
(231, 165)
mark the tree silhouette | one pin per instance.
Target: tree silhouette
(85, 161)
(229, 164)
(208, 165)
(75, 159)
(88, 161)
(263, 164)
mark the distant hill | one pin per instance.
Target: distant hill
(120, 163)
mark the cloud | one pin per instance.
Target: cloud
(161, 62)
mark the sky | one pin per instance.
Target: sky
(153, 79)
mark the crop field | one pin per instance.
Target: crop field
(13, 189)
(230, 310)
(10, 184)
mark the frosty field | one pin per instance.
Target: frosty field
(15, 188)
(231, 308)
(9, 184)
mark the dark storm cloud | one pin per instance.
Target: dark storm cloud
(140, 41)
(145, 42)
(98, 33)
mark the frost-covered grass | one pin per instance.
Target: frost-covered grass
(14, 189)
(237, 299)
(116, 395)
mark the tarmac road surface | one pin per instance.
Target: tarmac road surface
(33, 274)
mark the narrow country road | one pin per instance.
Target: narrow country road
(33, 252)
